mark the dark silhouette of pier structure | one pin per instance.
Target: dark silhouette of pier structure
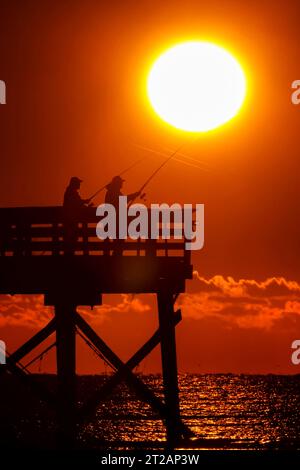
(35, 260)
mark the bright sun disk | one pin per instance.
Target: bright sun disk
(196, 86)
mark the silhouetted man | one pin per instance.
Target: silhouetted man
(112, 197)
(114, 191)
(73, 208)
(72, 200)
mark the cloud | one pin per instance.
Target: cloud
(24, 310)
(129, 303)
(242, 303)
(245, 303)
(29, 310)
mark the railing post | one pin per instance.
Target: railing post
(85, 238)
(55, 239)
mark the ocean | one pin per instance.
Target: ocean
(224, 411)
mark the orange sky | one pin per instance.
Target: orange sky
(76, 105)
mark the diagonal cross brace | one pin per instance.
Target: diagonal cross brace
(31, 344)
(26, 348)
(120, 375)
(142, 389)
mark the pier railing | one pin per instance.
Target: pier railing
(37, 256)
(41, 231)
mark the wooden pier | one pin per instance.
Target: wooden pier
(35, 259)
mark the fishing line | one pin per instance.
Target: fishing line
(190, 164)
(163, 154)
(159, 168)
(41, 355)
(95, 350)
(196, 160)
(157, 152)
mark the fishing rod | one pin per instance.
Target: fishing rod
(160, 167)
(155, 173)
(120, 174)
(148, 179)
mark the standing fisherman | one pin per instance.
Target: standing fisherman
(72, 199)
(114, 192)
(112, 197)
(73, 207)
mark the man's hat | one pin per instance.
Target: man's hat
(117, 179)
(115, 182)
(75, 179)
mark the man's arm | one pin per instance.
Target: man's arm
(81, 201)
(132, 196)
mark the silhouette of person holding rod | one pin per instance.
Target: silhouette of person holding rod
(112, 197)
(73, 208)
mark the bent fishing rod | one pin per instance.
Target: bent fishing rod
(148, 179)
(120, 174)
(155, 173)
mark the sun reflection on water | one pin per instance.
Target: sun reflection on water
(222, 410)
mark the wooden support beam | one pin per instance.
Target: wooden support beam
(66, 372)
(120, 375)
(169, 365)
(150, 344)
(138, 385)
(31, 344)
(142, 390)
(13, 367)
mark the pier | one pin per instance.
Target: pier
(35, 259)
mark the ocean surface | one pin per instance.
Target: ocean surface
(223, 411)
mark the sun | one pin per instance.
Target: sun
(196, 86)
